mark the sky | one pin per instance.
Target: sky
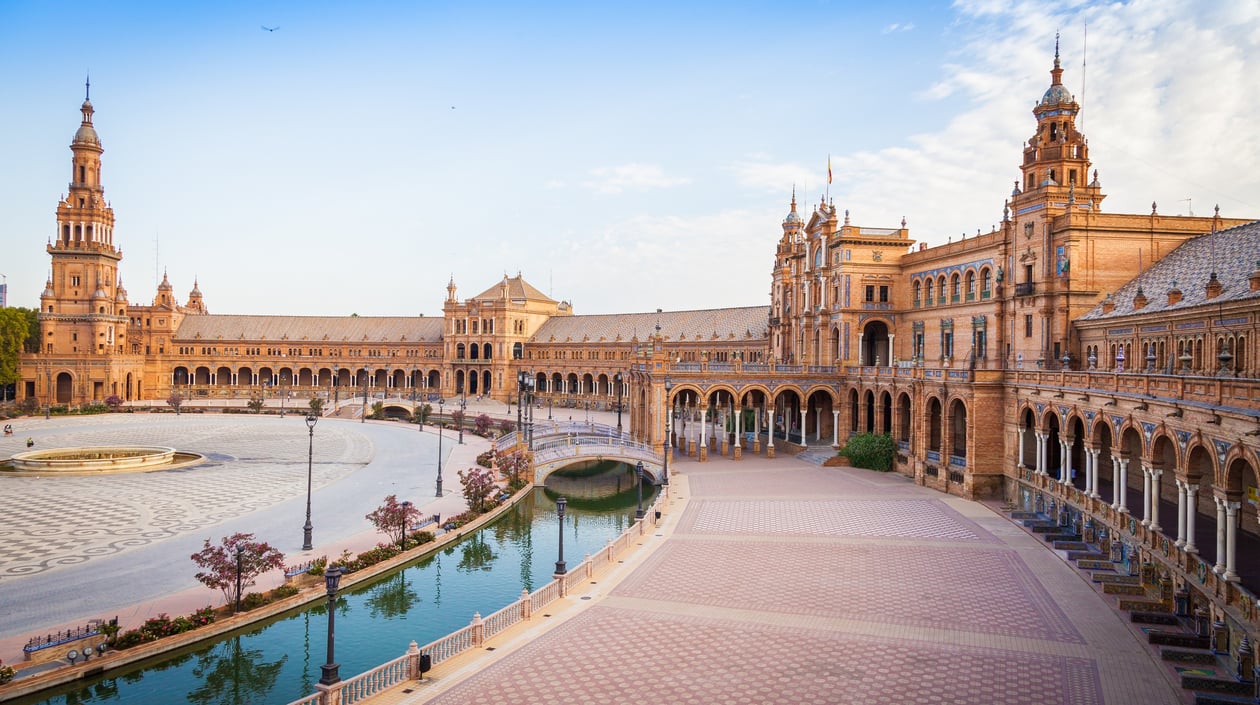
(624, 157)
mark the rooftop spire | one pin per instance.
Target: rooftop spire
(87, 88)
(1056, 73)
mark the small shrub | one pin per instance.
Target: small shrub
(130, 638)
(284, 591)
(253, 600)
(873, 451)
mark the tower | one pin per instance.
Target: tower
(80, 310)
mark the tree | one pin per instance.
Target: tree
(175, 401)
(506, 426)
(378, 410)
(17, 326)
(872, 451)
(218, 563)
(482, 424)
(255, 404)
(317, 405)
(457, 418)
(394, 519)
(422, 413)
(114, 402)
(478, 484)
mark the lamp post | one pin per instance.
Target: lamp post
(311, 420)
(424, 396)
(617, 381)
(439, 475)
(363, 418)
(638, 471)
(520, 397)
(336, 382)
(463, 404)
(669, 422)
(415, 410)
(240, 554)
(284, 394)
(529, 415)
(406, 508)
(561, 503)
(332, 578)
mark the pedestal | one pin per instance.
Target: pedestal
(738, 453)
(769, 451)
(704, 454)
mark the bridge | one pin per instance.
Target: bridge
(559, 444)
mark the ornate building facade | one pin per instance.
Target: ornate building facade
(1102, 364)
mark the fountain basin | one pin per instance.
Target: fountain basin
(92, 460)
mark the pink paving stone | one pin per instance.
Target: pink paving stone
(617, 655)
(983, 591)
(905, 518)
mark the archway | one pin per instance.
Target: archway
(65, 387)
(958, 429)
(874, 350)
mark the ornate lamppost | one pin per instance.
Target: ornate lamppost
(669, 423)
(561, 503)
(415, 410)
(617, 381)
(638, 471)
(463, 405)
(336, 385)
(363, 419)
(520, 398)
(311, 420)
(406, 508)
(439, 474)
(332, 578)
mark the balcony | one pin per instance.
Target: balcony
(1024, 289)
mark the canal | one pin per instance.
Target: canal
(277, 661)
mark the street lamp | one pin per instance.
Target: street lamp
(311, 420)
(336, 382)
(363, 419)
(240, 554)
(284, 394)
(406, 508)
(440, 424)
(463, 404)
(332, 578)
(638, 471)
(561, 503)
(520, 400)
(617, 381)
(669, 422)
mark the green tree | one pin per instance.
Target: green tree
(378, 410)
(422, 413)
(19, 332)
(317, 405)
(255, 404)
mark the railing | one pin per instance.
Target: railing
(36, 643)
(1024, 289)
(407, 666)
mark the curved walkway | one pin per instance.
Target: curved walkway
(791, 583)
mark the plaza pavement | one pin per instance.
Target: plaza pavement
(777, 581)
(78, 548)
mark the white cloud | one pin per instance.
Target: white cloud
(632, 177)
(897, 27)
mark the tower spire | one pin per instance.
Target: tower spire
(1056, 73)
(87, 88)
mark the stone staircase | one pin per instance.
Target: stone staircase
(1204, 674)
(816, 455)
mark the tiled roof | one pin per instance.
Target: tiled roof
(712, 324)
(333, 329)
(518, 289)
(1232, 254)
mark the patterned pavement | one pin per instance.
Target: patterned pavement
(782, 582)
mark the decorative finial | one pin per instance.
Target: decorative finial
(1056, 50)
(87, 88)
(846, 216)
(1153, 207)
(903, 222)
(1006, 211)
(1218, 210)
(1071, 193)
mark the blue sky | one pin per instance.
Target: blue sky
(622, 156)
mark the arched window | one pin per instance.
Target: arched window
(971, 286)
(459, 351)
(929, 293)
(918, 291)
(485, 351)
(818, 257)
(985, 278)
(954, 288)
(940, 289)
(517, 351)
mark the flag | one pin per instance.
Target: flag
(828, 168)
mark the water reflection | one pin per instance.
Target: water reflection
(277, 661)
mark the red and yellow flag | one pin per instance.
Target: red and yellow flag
(828, 168)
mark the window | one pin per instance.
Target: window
(986, 278)
(929, 292)
(870, 293)
(918, 291)
(883, 294)
(1028, 325)
(971, 286)
(74, 280)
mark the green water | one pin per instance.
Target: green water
(277, 662)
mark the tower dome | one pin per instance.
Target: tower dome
(86, 134)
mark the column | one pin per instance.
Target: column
(738, 451)
(1019, 432)
(1122, 486)
(1041, 452)
(818, 425)
(703, 454)
(1219, 568)
(770, 436)
(891, 336)
(1088, 457)
(861, 352)
(1146, 495)
(1181, 513)
(1192, 509)
(1231, 536)
(1155, 474)
(757, 413)
(1065, 470)
(1093, 471)
(803, 412)
(835, 428)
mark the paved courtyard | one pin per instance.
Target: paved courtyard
(77, 548)
(783, 582)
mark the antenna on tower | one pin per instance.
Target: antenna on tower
(1189, 205)
(1084, 48)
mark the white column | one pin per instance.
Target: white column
(818, 425)
(835, 427)
(1181, 513)
(1155, 475)
(739, 427)
(802, 426)
(1065, 471)
(1088, 469)
(770, 426)
(704, 427)
(1146, 495)
(1122, 496)
(757, 420)
(1019, 432)
(1042, 447)
(1231, 536)
(890, 350)
(1219, 568)
(1093, 471)
(1192, 509)
(860, 351)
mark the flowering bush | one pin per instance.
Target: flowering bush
(6, 673)
(220, 563)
